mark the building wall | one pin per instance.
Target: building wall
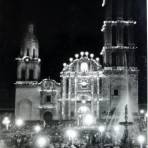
(27, 102)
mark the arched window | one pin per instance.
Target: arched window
(48, 99)
(114, 34)
(114, 59)
(27, 52)
(84, 67)
(34, 55)
(125, 36)
(31, 75)
(23, 75)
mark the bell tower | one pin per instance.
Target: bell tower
(28, 64)
(118, 28)
(27, 95)
(120, 71)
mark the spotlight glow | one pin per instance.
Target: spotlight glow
(88, 120)
(141, 139)
(101, 128)
(41, 141)
(19, 122)
(71, 133)
(37, 128)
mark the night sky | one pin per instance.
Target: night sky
(63, 28)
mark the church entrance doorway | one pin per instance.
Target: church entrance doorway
(47, 117)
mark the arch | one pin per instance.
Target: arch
(125, 36)
(84, 67)
(114, 36)
(25, 109)
(83, 109)
(23, 74)
(47, 116)
(114, 58)
(31, 74)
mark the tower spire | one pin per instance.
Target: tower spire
(29, 61)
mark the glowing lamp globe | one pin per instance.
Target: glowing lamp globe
(91, 55)
(142, 111)
(71, 133)
(70, 59)
(86, 53)
(116, 128)
(81, 53)
(37, 128)
(101, 128)
(76, 56)
(19, 122)
(141, 139)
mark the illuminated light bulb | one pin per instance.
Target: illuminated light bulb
(71, 133)
(70, 59)
(101, 128)
(76, 56)
(141, 139)
(64, 64)
(37, 128)
(19, 122)
(86, 53)
(91, 55)
(81, 53)
(97, 59)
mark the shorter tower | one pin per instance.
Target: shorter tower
(28, 74)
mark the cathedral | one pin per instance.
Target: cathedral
(87, 86)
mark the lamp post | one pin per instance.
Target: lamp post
(101, 130)
(141, 140)
(71, 134)
(116, 129)
(6, 122)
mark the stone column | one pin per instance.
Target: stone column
(63, 97)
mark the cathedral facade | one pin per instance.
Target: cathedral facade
(87, 86)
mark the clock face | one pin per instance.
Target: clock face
(84, 84)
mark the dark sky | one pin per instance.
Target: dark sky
(63, 28)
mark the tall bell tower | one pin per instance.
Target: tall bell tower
(121, 74)
(27, 96)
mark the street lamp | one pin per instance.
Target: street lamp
(6, 122)
(142, 111)
(71, 134)
(37, 128)
(116, 129)
(141, 140)
(19, 122)
(101, 129)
